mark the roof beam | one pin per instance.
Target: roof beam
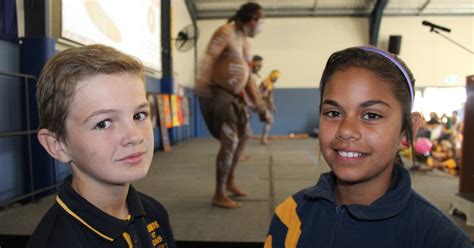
(423, 7)
(374, 21)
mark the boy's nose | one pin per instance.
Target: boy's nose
(133, 135)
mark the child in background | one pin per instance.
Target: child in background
(266, 91)
(94, 115)
(366, 200)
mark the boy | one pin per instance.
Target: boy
(94, 115)
(266, 91)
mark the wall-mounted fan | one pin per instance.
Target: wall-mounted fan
(186, 38)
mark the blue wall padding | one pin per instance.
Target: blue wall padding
(12, 110)
(297, 112)
(34, 53)
(8, 21)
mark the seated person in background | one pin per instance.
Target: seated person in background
(446, 131)
(443, 157)
(266, 91)
(423, 130)
(94, 115)
(434, 119)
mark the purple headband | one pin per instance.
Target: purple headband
(398, 64)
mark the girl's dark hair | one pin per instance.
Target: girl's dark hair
(381, 66)
(246, 13)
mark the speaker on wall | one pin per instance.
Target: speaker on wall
(394, 44)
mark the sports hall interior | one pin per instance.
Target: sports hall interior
(297, 37)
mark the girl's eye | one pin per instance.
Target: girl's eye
(140, 116)
(371, 116)
(332, 114)
(105, 124)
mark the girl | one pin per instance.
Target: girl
(366, 200)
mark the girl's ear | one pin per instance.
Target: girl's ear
(415, 124)
(55, 147)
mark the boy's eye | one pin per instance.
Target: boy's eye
(140, 116)
(105, 124)
(371, 116)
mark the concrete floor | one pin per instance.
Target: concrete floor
(183, 180)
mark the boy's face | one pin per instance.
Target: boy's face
(109, 133)
(360, 127)
(257, 66)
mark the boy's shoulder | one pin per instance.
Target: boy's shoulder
(73, 220)
(151, 205)
(54, 230)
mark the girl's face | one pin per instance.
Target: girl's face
(360, 127)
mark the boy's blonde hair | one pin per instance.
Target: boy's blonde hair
(57, 83)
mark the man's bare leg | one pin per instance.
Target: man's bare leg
(231, 185)
(248, 133)
(266, 131)
(229, 143)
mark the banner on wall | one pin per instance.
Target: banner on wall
(167, 110)
(180, 111)
(165, 141)
(153, 109)
(174, 110)
(186, 114)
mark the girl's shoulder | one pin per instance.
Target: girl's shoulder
(435, 223)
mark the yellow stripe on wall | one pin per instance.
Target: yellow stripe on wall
(286, 211)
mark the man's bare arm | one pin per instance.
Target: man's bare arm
(217, 44)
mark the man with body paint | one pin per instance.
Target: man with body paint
(223, 78)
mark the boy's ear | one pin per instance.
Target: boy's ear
(53, 146)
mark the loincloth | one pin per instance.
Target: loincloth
(223, 107)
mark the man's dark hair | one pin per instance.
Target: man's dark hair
(257, 58)
(246, 13)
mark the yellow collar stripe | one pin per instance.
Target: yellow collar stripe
(69, 211)
(127, 238)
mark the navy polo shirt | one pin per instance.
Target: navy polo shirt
(74, 222)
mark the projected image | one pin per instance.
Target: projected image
(102, 21)
(130, 26)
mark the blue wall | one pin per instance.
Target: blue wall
(297, 112)
(12, 109)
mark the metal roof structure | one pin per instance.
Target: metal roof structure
(212, 9)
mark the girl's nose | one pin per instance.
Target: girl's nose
(348, 129)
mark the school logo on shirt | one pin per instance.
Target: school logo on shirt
(156, 239)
